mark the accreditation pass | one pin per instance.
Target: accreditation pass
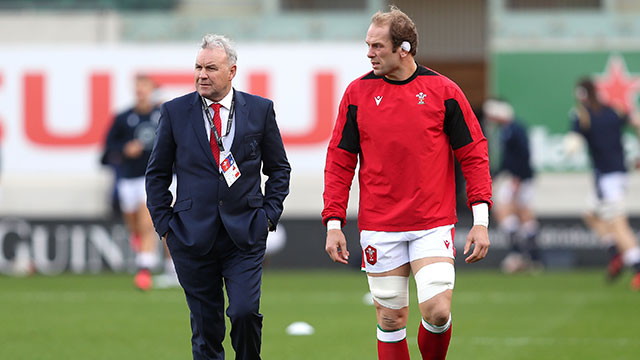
(230, 169)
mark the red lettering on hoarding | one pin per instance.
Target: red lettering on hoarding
(1, 124)
(35, 100)
(258, 84)
(258, 81)
(34, 110)
(324, 113)
(320, 130)
(167, 78)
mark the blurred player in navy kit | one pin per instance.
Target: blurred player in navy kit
(601, 126)
(514, 196)
(128, 147)
(404, 123)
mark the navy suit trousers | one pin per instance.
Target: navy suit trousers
(203, 277)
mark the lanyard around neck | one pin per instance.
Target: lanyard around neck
(205, 108)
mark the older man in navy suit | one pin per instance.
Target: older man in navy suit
(217, 140)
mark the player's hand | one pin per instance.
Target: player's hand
(336, 246)
(479, 238)
(133, 149)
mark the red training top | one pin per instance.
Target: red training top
(405, 134)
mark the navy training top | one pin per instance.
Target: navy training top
(127, 126)
(603, 134)
(514, 147)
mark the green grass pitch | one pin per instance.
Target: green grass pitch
(554, 315)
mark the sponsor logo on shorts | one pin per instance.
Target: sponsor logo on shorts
(446, 243)
(371, 254)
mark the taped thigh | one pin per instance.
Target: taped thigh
(390, 291)
(610, 209)
(434, 279)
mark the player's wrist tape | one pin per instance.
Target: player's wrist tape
(480, 214)
(334, 225)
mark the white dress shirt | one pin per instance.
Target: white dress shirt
(227, 139)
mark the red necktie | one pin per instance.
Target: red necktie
(218, 124)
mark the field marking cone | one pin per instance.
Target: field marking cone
(300, 328)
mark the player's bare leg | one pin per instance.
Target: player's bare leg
(147, 258)
(392, 323)
(131, 222)
(628, 246)
(597, 225)
(434, 334)
(146, 230)
(509, 223)
(605, 232)
(529, 232)
(623, 234)
(169, 278)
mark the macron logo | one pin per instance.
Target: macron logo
(378, 99)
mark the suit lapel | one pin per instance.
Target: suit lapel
(240, 118)
(197, 121)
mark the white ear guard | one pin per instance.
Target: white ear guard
(405, 46)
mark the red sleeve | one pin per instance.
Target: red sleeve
(469, 146)
(342, 158)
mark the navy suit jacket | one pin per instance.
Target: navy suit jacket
(203, 200)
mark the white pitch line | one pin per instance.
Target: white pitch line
(526, 341)
(529, 297)
(116, 296)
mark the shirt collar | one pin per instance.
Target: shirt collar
(225, 102)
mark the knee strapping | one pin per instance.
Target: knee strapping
(390, 291)
(434, 279)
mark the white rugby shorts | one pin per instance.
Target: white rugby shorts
(132, 194)
(610, 190)
(611, 186)
(507, 193)
(384, 251)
